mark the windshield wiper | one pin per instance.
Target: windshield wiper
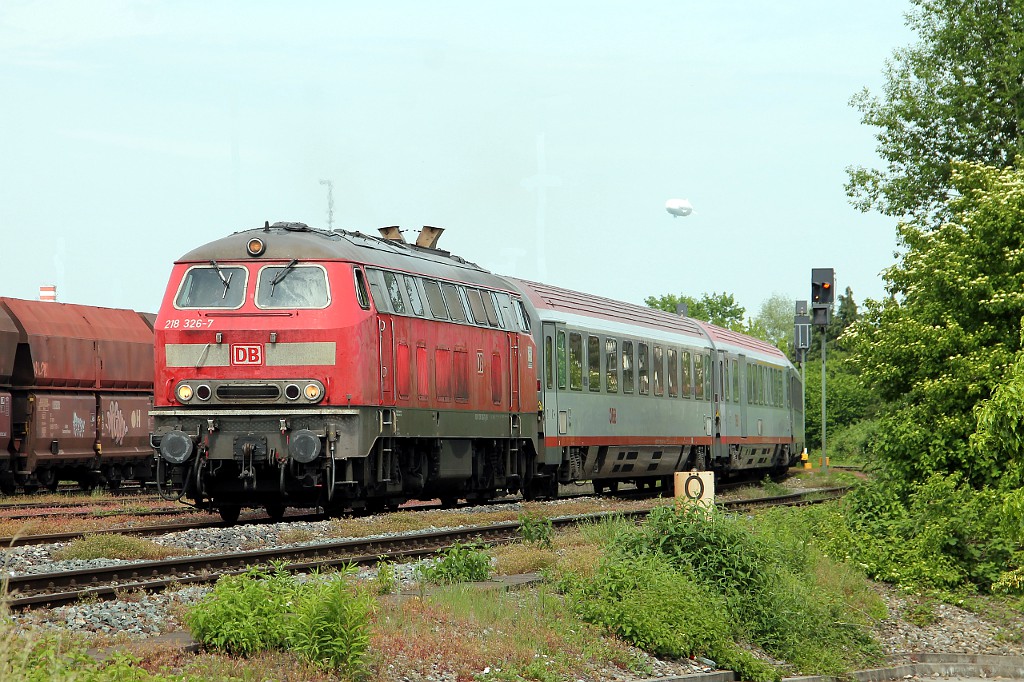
(226, 280)
(281, 275)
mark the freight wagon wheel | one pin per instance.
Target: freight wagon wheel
(275, 510)
(48, 478)
(8, 487)
(230, 512)
(30, 488)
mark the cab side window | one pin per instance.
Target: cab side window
(362, 295)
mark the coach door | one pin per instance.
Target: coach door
(719, 411)
(556, 422)
(744, 396)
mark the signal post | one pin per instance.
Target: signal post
(823, 285)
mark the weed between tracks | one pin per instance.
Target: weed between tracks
(614, 593)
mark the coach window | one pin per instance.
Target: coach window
(562, 365)
(643, 359)
(698, 375)
(454, 301)
(673, 374)
(611, 363)
(434, 299)
(594, 363)
(723, 369)
(214, 286)
(627, 366)
(549, 364)
(735, 381)
(414, 295)
(659, 370)
(687, 375)
(707, 376)
(361, 295)
(394, 292)
(575, 361)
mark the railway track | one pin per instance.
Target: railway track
(64, 587)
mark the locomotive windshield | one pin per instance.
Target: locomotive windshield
(213, 286)
(292, 286)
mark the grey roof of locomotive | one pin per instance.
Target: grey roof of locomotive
(285, 241)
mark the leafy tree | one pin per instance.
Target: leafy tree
(721, 309)
(774, 321)
(956, 94)
(949, 330)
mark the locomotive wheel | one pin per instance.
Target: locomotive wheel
(275, 510)
(448, 502)
(230, 512)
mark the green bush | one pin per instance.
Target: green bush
(386, 580)
(662, 610)
(245, 613)
(460, 563)
(331, 625)
(766, 581)
(326, 621)
(850, 445)
(940, 534)
(535, 529)
(47, 660)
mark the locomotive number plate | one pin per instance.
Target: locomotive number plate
(247, 354)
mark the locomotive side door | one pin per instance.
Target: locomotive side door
(513, 371)
(386, 342)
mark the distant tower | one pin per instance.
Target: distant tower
(330, 203)
(48, 292)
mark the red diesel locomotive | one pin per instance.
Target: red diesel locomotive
(283, 381)
(298, 367)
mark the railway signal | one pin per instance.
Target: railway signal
(823, 286)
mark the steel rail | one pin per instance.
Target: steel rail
(39, 590)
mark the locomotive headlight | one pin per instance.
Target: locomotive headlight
(176, 447)
(184, 393)
(304, 446)
(255, 247)
(313, 392)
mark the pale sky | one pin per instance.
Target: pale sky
(133, 131)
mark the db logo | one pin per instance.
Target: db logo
(246, 355)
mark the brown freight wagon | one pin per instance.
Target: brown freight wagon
(76, 386)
